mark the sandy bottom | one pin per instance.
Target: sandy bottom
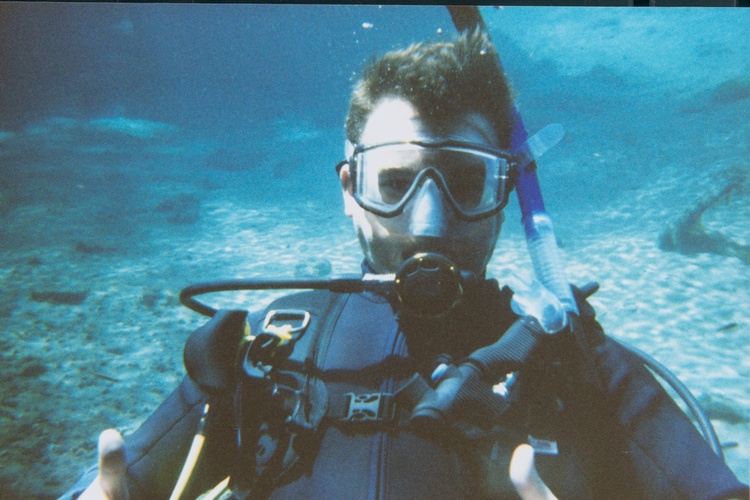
(68, 371)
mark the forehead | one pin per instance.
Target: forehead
(397, 120)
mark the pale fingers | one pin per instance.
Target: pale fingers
(111, 483)
(524, 476)
(112, 466)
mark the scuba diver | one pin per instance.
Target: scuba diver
(425, 379)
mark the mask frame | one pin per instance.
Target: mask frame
(506, 178)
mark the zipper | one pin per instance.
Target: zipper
(395, 346)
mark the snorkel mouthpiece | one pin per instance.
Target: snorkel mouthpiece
(430, 285)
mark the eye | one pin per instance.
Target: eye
(394, 183)
(466, 182)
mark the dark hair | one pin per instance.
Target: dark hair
(443, 80)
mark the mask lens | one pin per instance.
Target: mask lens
(393, 184)
(465, 174)
(386, 173)
(387, 176)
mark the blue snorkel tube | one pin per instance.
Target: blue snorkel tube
(548, 264)
(537, 224)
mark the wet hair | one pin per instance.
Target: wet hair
(443, 80)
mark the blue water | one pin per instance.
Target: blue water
(143, 147)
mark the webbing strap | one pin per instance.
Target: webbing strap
(324, 308)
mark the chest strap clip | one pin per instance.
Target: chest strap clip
(372, 408)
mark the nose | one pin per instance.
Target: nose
(429, 215)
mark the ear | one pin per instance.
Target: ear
(347, 187)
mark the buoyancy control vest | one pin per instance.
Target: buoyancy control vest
(325, 418)
(324, 415)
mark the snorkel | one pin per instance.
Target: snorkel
(548, 264)
(540, 235)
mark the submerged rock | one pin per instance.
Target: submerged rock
(688, 236)
(735, 90)
(180, 209)
(34, 369)
(181, 218)
(727, 92)
(178, 203)
(68, 298)
(93, 248)
(154, 296)
(313, 268)
(722, 408)
(150, 298)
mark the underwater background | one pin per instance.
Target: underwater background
(147, 147)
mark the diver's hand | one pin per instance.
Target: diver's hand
(111, 483)
(524, 477)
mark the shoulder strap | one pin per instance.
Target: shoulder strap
(283, 423)
(324, 308)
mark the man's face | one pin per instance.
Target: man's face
(428, 223)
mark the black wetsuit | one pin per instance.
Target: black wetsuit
(647, 448)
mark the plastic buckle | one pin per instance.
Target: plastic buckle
(375, 407)
(280, 329)
(293, 321)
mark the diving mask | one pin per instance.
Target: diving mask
(476, 179)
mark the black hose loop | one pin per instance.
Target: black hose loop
(709, 433)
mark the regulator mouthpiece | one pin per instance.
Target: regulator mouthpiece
(430, 285)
